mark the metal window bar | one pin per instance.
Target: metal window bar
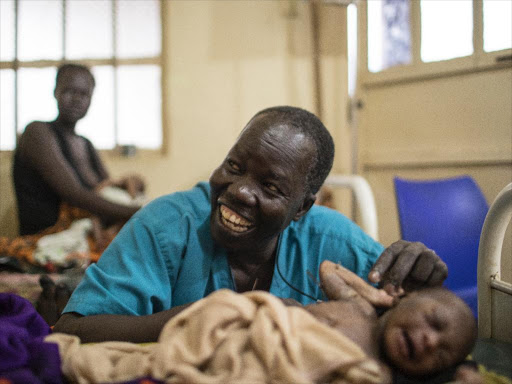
(114, 7)
(64, 26)
(114, 61)
(15, 67)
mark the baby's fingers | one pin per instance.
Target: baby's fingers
(337, 280)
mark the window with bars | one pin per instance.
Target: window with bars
(120, 40)
(404, 35)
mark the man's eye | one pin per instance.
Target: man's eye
(233, 165)
(272, 187)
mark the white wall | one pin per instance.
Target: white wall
(438, 128)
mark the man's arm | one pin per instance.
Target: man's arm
(98, 328)
(128, 294)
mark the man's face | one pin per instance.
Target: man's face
(73, 94)
(426, 334)
(260, 186)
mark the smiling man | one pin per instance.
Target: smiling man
(253, 226)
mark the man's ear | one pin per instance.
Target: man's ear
(308, 202)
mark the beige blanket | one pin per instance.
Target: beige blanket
(227, 338)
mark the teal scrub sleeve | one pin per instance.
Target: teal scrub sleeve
(135, 274)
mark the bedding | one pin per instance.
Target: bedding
(28, 285)
(79, 238)
(61, 252)
(255, 338)
(24, 355)
(77, 234)
(227, 338)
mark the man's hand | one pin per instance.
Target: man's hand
(406, 266)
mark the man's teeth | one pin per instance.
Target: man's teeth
(233, 221)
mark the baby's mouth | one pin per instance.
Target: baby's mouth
(233, 220)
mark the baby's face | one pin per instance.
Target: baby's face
(428, 331)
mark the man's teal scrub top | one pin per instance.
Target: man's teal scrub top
(165, 256)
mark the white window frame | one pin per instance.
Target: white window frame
(419, 70)
(113, 61)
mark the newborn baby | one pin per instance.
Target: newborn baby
(424, 332)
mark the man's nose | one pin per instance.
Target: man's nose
(243, 191)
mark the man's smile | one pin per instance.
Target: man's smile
(233, 220)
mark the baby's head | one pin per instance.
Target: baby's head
(428, 331)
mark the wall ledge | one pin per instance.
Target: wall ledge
(435, 157)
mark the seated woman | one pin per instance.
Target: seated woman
(58, 174)
(52, 164)
(59, 178)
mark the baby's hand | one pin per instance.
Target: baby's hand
(134, 185)
(338, 283)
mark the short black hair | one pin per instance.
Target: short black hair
(73, 67)
(311, 126)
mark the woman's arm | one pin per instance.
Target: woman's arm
(102, 170)
(98, 328)
(40, 149)
(132, 183)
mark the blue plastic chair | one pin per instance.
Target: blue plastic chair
(446, 215)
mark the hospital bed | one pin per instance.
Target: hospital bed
(494, 347)
(364, 200)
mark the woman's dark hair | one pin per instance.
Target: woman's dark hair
(64, 68)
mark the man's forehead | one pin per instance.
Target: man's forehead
(281, 138)
(269, 128)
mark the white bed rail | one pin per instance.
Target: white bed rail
(364, 199)
(494, 295)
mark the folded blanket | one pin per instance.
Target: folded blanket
(24, 248)
(227, 338)
(71, 237)
(57, 247)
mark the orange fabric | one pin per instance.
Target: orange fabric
(23, 247)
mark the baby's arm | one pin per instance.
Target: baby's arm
(338, 283)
